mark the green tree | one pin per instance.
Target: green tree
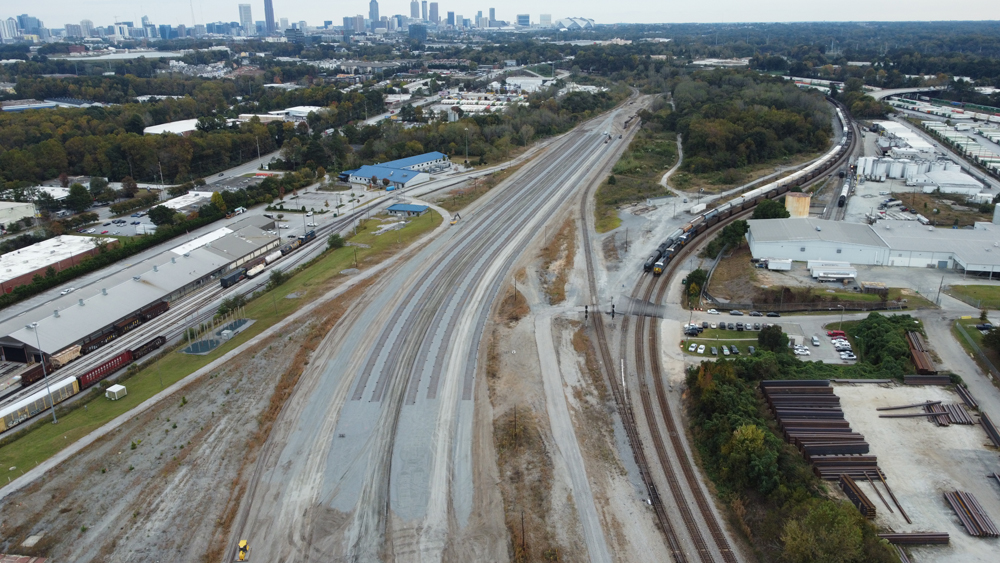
(97, 185)
(46, 202)
(772, 338)
(161, 215)
(218, 202)
(750, 461)
(129, 187)
(335, 241)
(79, 198)
(984, 315)
(770, 209)
(277, 278)
(830, 532)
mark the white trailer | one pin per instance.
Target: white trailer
(781, 265)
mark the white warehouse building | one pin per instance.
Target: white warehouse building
(814, 239)
(887, 243)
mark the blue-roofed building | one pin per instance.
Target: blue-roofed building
(407, 209)
(401, 173)
(397, 177)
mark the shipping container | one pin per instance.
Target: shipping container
(233, 278)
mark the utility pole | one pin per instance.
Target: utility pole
(45, 375)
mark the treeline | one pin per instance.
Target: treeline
(735, 118)
(781, 505)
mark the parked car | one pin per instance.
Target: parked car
(734, 349)
(692, 347)
(67, 291)
(704, 324)
(773, 314)
(715, 351)
(751, 349)
(725, 350)
(739, 326)
(815, 341)
(756, 314)
(847, 356)
(731, 326)
(106, 225)
(736, 313)
(712, 312)
(104, 232)
(836, 333)
(701, 349)
(756, 326)
(984, 326)
(712, 325)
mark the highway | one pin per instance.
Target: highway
(373, 457)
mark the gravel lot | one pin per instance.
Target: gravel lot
(922, 462)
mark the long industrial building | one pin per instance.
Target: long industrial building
(886, 243)
(69, 319)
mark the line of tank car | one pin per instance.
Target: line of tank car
(660, 258)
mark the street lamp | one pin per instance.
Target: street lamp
(841, 327)
(466, 147)
(45, 375)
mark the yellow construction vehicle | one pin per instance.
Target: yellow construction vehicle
(454, 220)
(244, 552)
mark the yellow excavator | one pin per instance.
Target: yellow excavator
(455, 219)
(244, 552)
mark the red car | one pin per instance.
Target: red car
(104, 232)
(835, 333)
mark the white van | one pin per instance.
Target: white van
(815, 341)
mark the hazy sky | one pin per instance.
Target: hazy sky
(56, 13)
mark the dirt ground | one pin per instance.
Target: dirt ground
(735, 278)
(201, 440)
(130, 479)
(921, 462)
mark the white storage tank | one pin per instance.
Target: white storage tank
(910, 170)
(864, 165)
(896, 169)
(923, 166)
(937, 166)
(881, 167)
(951, 166)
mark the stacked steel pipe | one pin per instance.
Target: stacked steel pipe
(967, 398)
(917, 538)
(972, 515)
(927, 379)
(857, 496)
(990, 429)
(921, 359)
(811, 419)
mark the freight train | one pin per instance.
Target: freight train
(102, 337)
(842, 200)
(27, 407)
(256, 268)
(660, 258)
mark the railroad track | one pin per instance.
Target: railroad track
(645, 342)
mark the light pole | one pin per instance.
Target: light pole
(467, 147)
(45, 375)
(841, 327)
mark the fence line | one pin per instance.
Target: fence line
(979, 351)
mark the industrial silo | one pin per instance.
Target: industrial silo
(797, 204)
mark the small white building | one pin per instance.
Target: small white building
(115, 392)
(11, 211)
(183, 127)
(815, 239)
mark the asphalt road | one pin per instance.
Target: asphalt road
(372, 457)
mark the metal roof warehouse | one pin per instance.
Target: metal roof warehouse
(68, 319)
(887, 243)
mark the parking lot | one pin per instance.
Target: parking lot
(800, 330)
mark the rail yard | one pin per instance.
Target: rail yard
(360, 427)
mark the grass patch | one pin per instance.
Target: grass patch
(27, 449)
(951, 209)
(970, 327)
(714, 182)
(557, 262)
(636, 176)
(980, 296)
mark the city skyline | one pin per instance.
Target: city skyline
(57, 13)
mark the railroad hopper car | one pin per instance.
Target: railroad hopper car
(256, 270)
(35, 373)
(27, 407)
(105, 335)
(660, 258)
